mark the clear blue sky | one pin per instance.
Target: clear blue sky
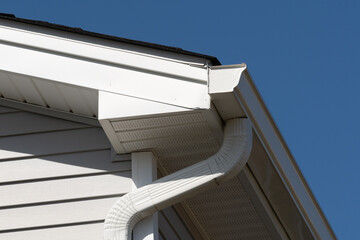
(304, 58)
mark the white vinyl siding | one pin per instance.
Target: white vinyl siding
(57, 178)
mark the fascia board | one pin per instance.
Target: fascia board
(95, 52)
(113, 106)
(282, 158)
(62, 41)
(134, 46)
(250, 102)
(114, 71)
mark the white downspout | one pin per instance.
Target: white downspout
(178, 186)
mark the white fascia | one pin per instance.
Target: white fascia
(116, 106)
(103, 68)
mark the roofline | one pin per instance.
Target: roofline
(284, 171)
(239, 88)
(12, 17)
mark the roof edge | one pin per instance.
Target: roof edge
(282, 158)
(12, 17)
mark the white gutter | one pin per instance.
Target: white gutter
(178, 186)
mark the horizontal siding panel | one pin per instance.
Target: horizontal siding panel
(79, 232)
(25, 123)
(57, 178)
(54, 214)
(60, 165)
(53, 143)
(70, 188)
(7, 110)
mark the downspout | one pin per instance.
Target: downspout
(178, 186)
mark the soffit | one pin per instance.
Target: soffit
(180, 140)
(227, 212)
(185, 137)
(48, 94)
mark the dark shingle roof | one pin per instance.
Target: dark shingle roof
(12, 17)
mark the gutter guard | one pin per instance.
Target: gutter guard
(178, 186)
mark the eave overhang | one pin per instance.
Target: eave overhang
(281, 180)
(174, 106)
(66, 61)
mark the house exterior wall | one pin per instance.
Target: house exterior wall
(57, 178)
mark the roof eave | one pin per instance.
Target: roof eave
(11, 17)
(245, 99)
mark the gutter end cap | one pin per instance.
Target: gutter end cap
(225, 78)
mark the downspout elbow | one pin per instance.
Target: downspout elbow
(178, 186)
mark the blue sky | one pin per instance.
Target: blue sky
(303, 56)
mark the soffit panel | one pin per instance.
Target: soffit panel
(227, 212)
(183, 139)
(48, 94)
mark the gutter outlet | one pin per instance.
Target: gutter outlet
(178, 186)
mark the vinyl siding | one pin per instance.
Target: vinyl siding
(57, 178)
